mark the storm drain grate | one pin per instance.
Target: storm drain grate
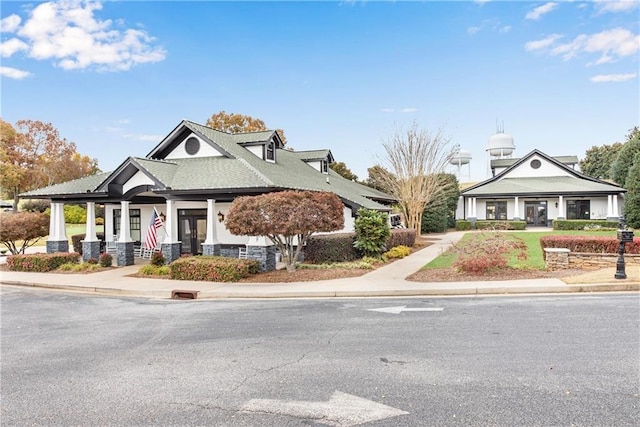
(183, 294)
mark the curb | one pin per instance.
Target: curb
(469, 291)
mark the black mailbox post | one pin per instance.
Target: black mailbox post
(624, 236)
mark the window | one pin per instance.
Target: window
(497, 210)
(324, 165)
(134, 223)
(578, 209)
(535, 163)
(270, 152)
(192, 145)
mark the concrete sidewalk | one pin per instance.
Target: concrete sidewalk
(386, 281)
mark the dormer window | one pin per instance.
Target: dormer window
(270, 152)
(324, 166)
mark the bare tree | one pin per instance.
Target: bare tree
(413, 167)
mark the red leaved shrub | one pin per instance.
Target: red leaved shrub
(590, 244)
(41, 263)
(487, 251)
(212, 268)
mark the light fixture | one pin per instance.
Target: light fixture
(220, 216)
(556, 204)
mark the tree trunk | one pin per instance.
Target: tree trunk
(15, 200)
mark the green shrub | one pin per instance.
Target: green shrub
(157, 259)
(212, 268)
(75, 214)
(360, 265)
(92, 261)
(106, 260)
(397, 252)
(99, 221)
(35, 205)
(401, 237)
(434, 219)
(336, 247)
(372, 260)
(77, 268)
(41, 263)
(583, 224)
(154, 270)
(372, 232)
(589, 244)
(463, 225)
(500, 225)
(76, 242)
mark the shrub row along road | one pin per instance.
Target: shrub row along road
(70, 359)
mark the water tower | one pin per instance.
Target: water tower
(500, 146)
(459, 159)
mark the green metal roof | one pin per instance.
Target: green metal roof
(238, 169)
(542, 185)
(77, 186)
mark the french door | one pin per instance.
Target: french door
(192, 230)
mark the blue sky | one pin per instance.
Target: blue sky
(116, 77)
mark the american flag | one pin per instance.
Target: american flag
(151, 241)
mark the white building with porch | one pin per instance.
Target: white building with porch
(538, 188)
(191, 178)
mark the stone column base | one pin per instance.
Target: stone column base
(54, 246)
(265, 255)
(125, 254)
(171, 251)
(612, 218)
(211, 249)
(90, 250)
(517, 218)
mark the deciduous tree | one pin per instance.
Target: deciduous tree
(599, 159)
(238, 123)
(415, 159)
(286, 218)
(341, 169)
(34, 155)
(18, 231)
(377, 176)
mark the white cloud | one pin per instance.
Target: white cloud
(409, 110)
(537, 13)
(10, 23)
(152, 138)
(69, 33)
(616, 5)
(13, 73)
(610, 44)
(615, 78)
(505, 29)
(11, 46)
(481, 2)
(473, 30)
(542, 43)
(387, 110)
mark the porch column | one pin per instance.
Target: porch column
(561, 207)
(475, 207)
(469, 208)
(211, 245)
(125, 243)
(609, 206)
(57, 241)
(90, 244)
(616, 214)
(261, 249)
(516, 210)
(171, 245)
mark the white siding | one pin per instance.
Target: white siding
(205, 150)
(138, 179)
(546, 169)
(256, 150)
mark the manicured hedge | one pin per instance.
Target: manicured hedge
(500, 225)
(463, 225)
(336, 247)
(212, 268)
(76, 241)
(583, 224)
(41, 263)
(401, 237)
(590, 244)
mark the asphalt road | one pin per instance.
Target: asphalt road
(70, 359)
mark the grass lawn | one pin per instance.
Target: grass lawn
(71, 230)
(532, 240)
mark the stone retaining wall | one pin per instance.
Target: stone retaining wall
(559, 259)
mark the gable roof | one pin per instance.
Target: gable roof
(504, 163)
(575, 183)
(237, 170)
